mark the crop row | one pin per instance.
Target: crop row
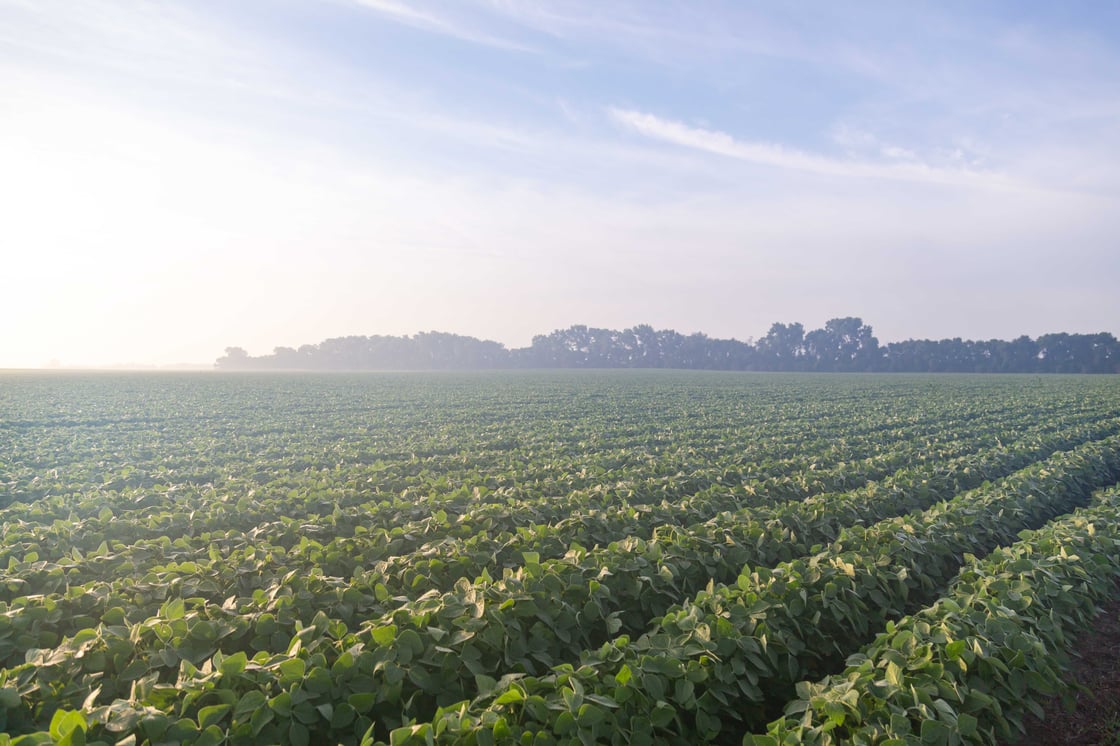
(967, 669)
(368, 670)
(152, 573)
(437, 564)
(379, 528)
(214, 568)
(109, 544)
(627, 582)
(431, 445)
(719, 664)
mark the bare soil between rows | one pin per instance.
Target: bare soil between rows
(1090, 712)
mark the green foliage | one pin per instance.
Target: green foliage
(529, 559)
(969, 667)
(731, 655)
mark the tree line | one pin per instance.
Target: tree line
(841, 345)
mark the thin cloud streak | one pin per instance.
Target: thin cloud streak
(777, 156)
(423, 21)
(100, 41)
(656, 33)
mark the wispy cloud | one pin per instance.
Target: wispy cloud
(676, 36)
(573, 20)
(778, 156)
(101, 41)
(437, 24)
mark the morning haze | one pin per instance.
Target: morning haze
(179, 177)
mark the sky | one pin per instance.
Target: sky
(179, 177)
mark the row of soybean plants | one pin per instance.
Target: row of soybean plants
(150, 572)
(54, 526)
(970, 667)
(423, 441)
(67, 540)
(477, 541)
(724, 662)
(674, 562)
(74, 551)
(624, 462)
(215, 567)
(417, 555)
(334, 684)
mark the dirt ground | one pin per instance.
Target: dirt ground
(1090, 715)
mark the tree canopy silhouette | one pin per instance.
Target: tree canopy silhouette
(842, 345)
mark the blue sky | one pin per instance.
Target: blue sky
(183, 176)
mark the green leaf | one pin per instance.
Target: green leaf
(281, 704)
(662, 714)
(513, 694)
(935, 732)
(293, 669)
(122, 717)
(174, 609)
(154, 726)
(384, 635)
(298, 735)
(9, 697)
(485, 684)
(761, 741)
(65, 722)
(401, 736)
(212, 715)
(211, 736)
(565, 723)
(261, 718)
(134, 670)
(410, 640)
(362, 701)
(589, 715)
(342, 715)
(31, 739)
(249, 703)
(76, 737)
(234, 664)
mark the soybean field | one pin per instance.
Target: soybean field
(584, 557)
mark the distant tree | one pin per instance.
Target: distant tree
(236, 358)
(288, 358)
(1020, 356)
(783, 347)
(1105, 353)
(1078, 353)
(845, 344)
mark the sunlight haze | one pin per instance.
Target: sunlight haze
(179, 177)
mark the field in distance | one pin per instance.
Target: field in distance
(546, 557)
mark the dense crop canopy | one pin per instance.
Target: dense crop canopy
(540, 558)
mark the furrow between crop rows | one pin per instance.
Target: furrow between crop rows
(968, 668)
